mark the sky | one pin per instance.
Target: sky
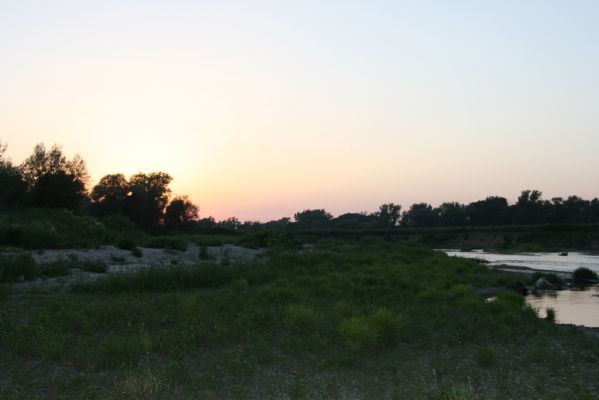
(259, 109)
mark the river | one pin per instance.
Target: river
(572, 306)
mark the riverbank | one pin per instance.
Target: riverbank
(347, 319)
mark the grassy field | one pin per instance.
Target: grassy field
(344, 319)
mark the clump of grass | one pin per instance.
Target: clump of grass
(386, 325)
(97, 266)
(117, 259)
(583, 276)
(302, 319)
(380, 328)
(485, 356)
(550, 314)
(136, 252)
(138, 385)
(203, 255)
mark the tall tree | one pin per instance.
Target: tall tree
(180, 213)
(388, 215)
(419, 215)
(110, 195)
(13, 189)
(53, 180)
(147, 199)
(310, 219)
(451, 214)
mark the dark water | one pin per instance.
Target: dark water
(573, 306)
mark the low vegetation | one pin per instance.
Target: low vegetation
(363, 318)
(583, 276)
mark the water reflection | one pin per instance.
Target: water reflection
(573, 306)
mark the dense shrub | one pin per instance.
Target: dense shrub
(583, 275)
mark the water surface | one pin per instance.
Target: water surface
(579, 307)
(544, 261)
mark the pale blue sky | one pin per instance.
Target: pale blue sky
(260, 109)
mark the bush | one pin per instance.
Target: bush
(386, 325)
(20, 267)
(126, 244)
(136, 252)
(583, 276)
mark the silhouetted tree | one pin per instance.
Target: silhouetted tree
(206, 224)
(419, 215)
(451, 214)
(180, 213)
(355, 221)
(13, 189)
(491, 211)
(48, 174)
(388, 215)
(311, 219)
(528, 208)
(58, 190)
(147, 199)
(231, 224)
(110, 195)
(278, 224)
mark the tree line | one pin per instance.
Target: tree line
(48, 179)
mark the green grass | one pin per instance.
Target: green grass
(349, 319)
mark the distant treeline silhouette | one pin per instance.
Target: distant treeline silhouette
(48, 179)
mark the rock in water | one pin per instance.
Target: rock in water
(543, 284)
